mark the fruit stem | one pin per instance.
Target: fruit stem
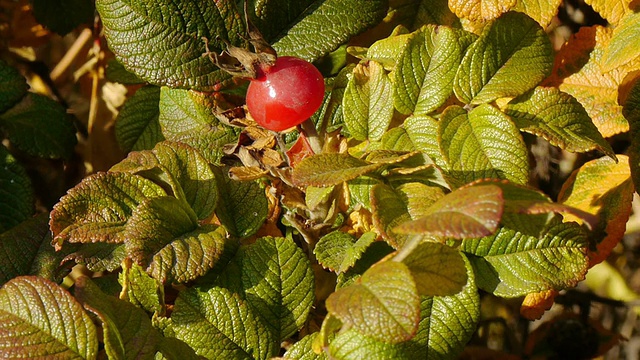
(309, 130)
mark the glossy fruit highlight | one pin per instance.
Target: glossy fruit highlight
(287, 94)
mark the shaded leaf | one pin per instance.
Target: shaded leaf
(140, 289)
(424, 75)
(367, 105)
(512, 55)
(219, 325)
(558, 118)
(437, 269)
(13, 86)
(604, 188)
(98, 256)
(243, 205)
(116, 72)
(303, 349)
(80, 215)
(40, 126)
(339, 251)
(76, 12)
(383, 303)
(482, 144)
(137, 126)
(472, 211)
(278, 284)
(127, 330)
(552, 257)
(188, 117)
(631, 111)
(328, 169)
(16, 193)
(27, 251)
(38, 318)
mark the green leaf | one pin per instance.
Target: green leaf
(192, 255)
(423, 132)
(16, 193)
(39, 319)
(140, 289)
(13, 86)
(360, 191)
(387, 51)
(162, 41)
(472, 211)
(383, 303)
(76, 12)
(392, 207)
(137, 126)
(80, 215)
(397, 139)
(558, 118)
(28, 251)
(116, 72)
(339, 251)
(426, 68)
(278, 284)
(624, 45)
(155, 223)
(171, 348)
(188, 173)
(328, 169)
(99, 256)
(367, 104)
(536, 252)
(127, 330)
(512, 55)
(243, 206)
(186, 116)
(437, 269)
(482, 144)
(374, 253)
(220, 325)
(40, 126)
(446, 326)
(303, 349)
(321, 27)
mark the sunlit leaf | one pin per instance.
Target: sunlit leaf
(578, 71)
(38, 318)
(512, 55)
(141, 289)
(423, 132)
(423, 78)
(557, 117)
(624, 44)
(303, 349)
(482, 144)
(328, 169)
(278, 284)
(473, 211)
(604, 188)
(220, 325)
(368, 102)
(438, 270)
(612, 10)
(480, 9)
(383, 303)
(535, 252)
(631, 111)
(338, 251)
(541, 11)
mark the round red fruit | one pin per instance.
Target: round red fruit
(287, 94)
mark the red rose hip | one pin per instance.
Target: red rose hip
(286, 95)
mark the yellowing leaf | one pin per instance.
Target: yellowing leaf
(611, 10)
(535, 304)
(578, 71)
(480, 9)
(624, 46)
(540, 10)
(604, 188)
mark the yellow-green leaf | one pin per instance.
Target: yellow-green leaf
(612, 10)
(541, 11)
(624, 45)
(328, 169)
(475, 10)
